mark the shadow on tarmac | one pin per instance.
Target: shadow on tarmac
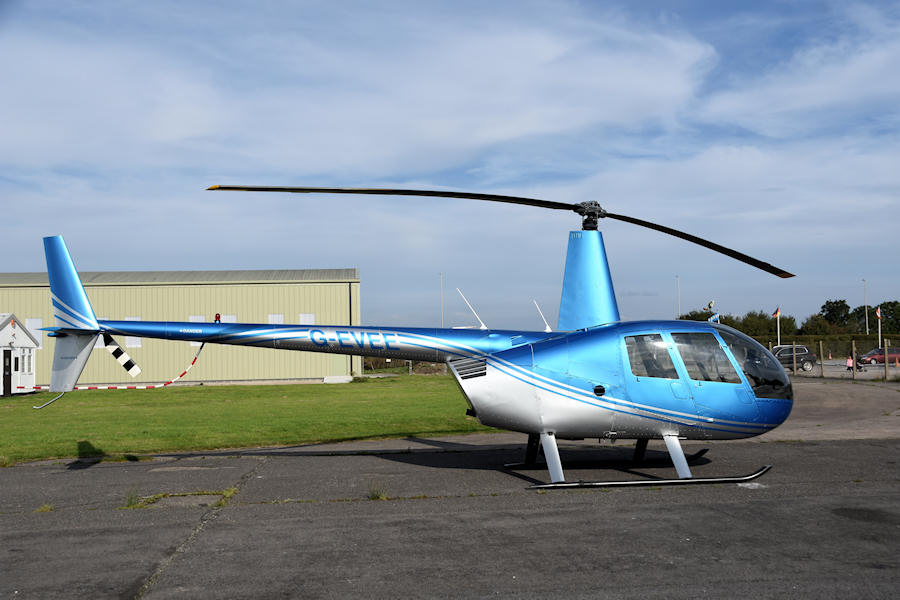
(445, 454)
(618, 460)
(88, 456)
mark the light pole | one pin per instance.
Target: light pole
(866, 305)
(678, 296)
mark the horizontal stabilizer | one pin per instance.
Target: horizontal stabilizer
(57, 332)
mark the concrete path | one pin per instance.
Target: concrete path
(301, 522)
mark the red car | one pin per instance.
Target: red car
(877, 356)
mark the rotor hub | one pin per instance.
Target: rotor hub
(591, 212)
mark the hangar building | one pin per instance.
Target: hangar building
(312, 296)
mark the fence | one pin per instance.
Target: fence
(831, 358)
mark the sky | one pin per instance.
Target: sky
(769, 127)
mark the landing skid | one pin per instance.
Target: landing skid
(652, 482)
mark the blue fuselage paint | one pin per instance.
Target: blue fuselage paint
(537, 381)
(588, 298)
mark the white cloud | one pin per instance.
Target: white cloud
(418, 103)
(117, 116)
(827, 85)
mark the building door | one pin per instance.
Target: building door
(7, 372)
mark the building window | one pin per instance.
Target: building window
(132, 341)
(196, 319)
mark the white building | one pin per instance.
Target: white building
(18, 346)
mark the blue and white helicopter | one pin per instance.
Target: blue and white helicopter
(596, 377)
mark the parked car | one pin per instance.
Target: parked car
(877, 356)
(806, 359)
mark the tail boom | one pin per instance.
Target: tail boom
(426, 344)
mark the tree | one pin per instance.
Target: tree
(760, 323)
(857, 321)
(704, 315)
(817, 325)
(890, 318)
(836, 312)
(695, 315)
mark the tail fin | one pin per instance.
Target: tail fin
(76, 328)
(71, 306)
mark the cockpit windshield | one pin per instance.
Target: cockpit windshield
(765, 374)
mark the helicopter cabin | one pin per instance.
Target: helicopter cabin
(18, 346)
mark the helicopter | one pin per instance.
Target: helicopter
(596, 376)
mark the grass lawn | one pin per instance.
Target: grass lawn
(123, 422)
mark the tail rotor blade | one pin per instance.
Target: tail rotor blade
(120, 355)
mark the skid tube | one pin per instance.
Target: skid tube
(650, 482)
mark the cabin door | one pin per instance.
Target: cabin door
(714, 382)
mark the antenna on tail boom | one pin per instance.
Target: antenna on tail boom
(480, 322)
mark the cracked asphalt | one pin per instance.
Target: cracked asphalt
(824, 523)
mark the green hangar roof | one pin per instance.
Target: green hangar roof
(97, 278)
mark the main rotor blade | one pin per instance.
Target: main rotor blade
(590, 211)
(706, 244)
(396, 192)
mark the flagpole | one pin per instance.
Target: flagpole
(879, 333)
(777, 315)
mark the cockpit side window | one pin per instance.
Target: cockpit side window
(649, 356)
(704, 358)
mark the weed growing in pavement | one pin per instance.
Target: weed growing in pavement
(377, 492)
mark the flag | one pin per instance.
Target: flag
(777, 313)
(714, 318)
(878, 313)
